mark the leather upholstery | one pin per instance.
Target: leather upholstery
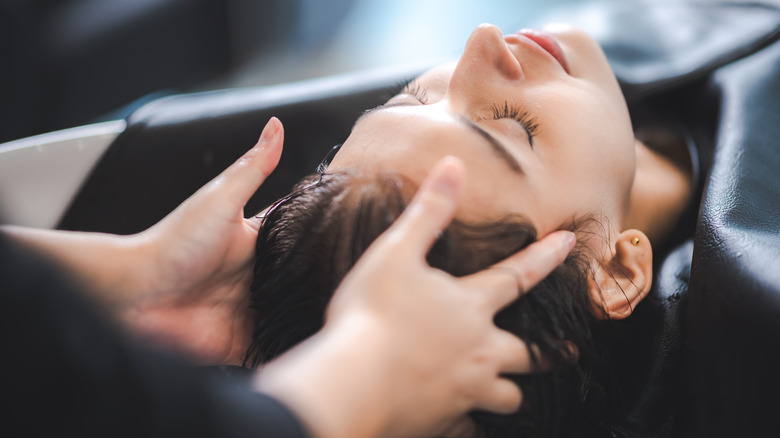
(733, 321)
(174, 145)
(659, 45)
(714, 68)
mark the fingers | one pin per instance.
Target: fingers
(240, 181)
(515, 356)
(463, 427)
(432, 208)
(255, 221)
(506, 280)
(536, 262)
(502, 396)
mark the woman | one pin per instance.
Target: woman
(544, 130)
(186, 278)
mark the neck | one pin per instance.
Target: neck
(661, 191)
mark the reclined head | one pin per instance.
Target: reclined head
(541, 124)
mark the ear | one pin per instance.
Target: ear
(622, 281)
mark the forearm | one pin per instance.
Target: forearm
(106, 265)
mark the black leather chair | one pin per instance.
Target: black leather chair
(713, 67)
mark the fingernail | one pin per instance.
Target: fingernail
(569, 238)
(270, 130)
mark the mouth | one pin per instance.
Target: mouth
(547, 43)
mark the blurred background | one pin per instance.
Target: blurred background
(67, 63)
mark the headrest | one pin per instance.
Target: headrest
(174, 145)
(656, 46)
(733, 310)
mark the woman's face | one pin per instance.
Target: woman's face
(541, 134)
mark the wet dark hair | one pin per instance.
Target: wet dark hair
(310, 239)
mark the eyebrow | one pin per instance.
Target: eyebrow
(497, 145)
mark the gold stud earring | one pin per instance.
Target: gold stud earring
(635, 241)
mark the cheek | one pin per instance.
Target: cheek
(591, 154)
(596, 125)
(615, 142)
(603, 160)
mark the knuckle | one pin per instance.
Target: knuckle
(249, 157)
(503, 278)
(511, 282)
(527, 277)
(393, 240)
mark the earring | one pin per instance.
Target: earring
(635, 241)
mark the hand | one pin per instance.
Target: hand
(407, 349)
(200, 261)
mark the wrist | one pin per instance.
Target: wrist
(110, 267)
(130, 273)
(105, 264)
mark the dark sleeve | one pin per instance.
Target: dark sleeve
(68, 371)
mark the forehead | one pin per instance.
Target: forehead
(410, 140)
(397, 139)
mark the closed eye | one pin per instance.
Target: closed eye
(414, 89)
(418, 93)
(513, 112)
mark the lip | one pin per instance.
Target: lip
(547, 43)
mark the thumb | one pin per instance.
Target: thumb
(240, 181)
(431, 209)
(525, 269)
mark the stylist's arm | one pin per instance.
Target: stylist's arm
(407, 349)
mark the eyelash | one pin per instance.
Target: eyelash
(414, 89)
(506, 111)
(522, 117)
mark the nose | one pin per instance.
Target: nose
(485, 60)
